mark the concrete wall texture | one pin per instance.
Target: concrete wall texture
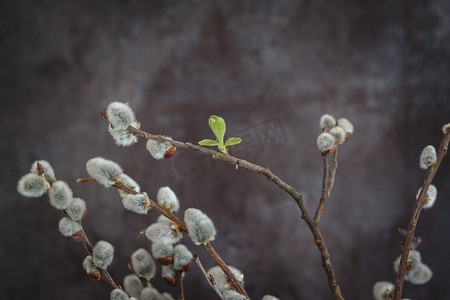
(271, 69)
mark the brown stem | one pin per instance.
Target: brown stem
(332, 173)
(326, 263)
(180, 290)
(209, 278)
(236, 284)
(323, 197)
(406, 243)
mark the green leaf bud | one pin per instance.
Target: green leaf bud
(200, 227)
(48, 170)
(182, 258)
(60, 195)
(427, 157)
(167, 199)
(31, 186)
(138, 203)
(105, 172)
(118, 294)
(218, 126)
(208, 142)
(133, 285)
(76, 209)
(233, 141)
(102, 254)
(143, 264)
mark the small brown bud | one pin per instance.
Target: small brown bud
(170, 152)
(95, 276)
(165, 261)
(171, 281)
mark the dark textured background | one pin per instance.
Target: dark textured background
(385, 65)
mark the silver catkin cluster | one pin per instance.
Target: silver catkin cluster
(181, 258)
(233, 295)
(200, 227)
(31, 186)
(139, 203)
(430, 196)
(167, 199)
(333, 132)
(102, 254)
(48, 170)
(418, 273)
(129, 183)
(68, 227)
(158, 149)
(118, 294)
(60, 195)
(162, 250)
(382, 290)
(269, 297)
(427, 157)
(143, 264)
(76, 209)
(105, 172)
(120, 115)
(133, 285)
(90, 268)
(222, 281)
(164, 231)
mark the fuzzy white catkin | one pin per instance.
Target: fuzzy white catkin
(181, 257)
(168, 271)
(381, 289)
(150, 293)
(327, 122)
(221, 279)
(339, 134)
(427, 157)
(118, 294)
(31, 185)
(269, 297)
(48, 170)
(157, 149)
(130, 183)
(105, 172)
(123, 137)
(430, 197)
(164, 233)
(166, 296)
(162, 250)
(133, 285)
(138, 203)
(416, 261)
(60, 195)
(446, 128)
(143, 264)
(102, 254)
(233, 295)
(346, 125)
(76, 209)
(120, 115)
(325, 141)
(422, 275)
(68, 227)
(200, 227)
(167, 199)
(89, 267)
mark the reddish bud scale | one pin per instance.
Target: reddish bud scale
(332, 149)
(165, 261)
(186, 267)
(95, 276)
(77, 236)
(171, 281)
(85, 212)
(170, 152)
(347, 136)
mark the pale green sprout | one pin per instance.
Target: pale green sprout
(219, 128)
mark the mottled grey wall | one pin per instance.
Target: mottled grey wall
(385, 65)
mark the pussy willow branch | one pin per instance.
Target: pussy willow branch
(86, 243)
(314, 226)
(182, 227)
(406, 243)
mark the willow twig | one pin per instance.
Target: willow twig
(406, 243)
(298, 198)
(179, 283)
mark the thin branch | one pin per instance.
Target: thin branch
(332, 173)
(179, 278)
(323, 197)
(406, 243)
(209, 278)
(318, 238)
